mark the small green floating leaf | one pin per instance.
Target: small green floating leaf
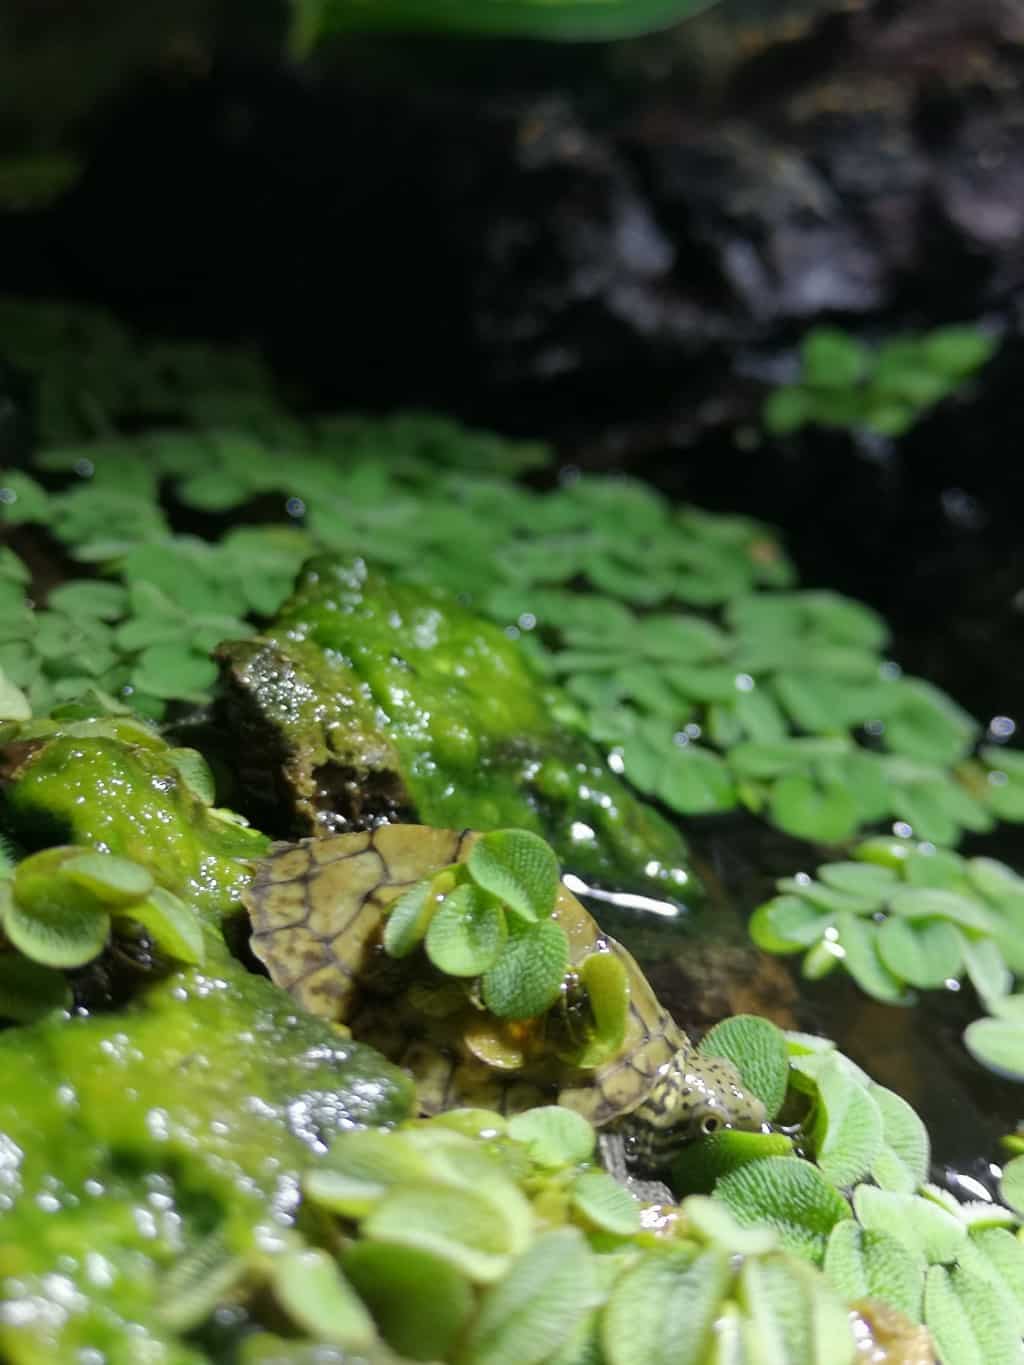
(14, 705)
(475, 1234)
(871, 1263)
(700, 1165)
(966, 1317)
(790, 1195)
(662, 1312)
(605, 1204)
(919, 902)
(1011, 1186)
(174, 671)
(987, 969)
(115, 882)
(409, 918)
(173, 926)
(868, 880)
(555, 1135)
(91, 598)
(519, 868)
(921, 1225)
(757, 1048)
(62, 927)
(848, 1126)
(792, 1316)
(30, 991)
(997, 1044)
(466, 935)
(924, 953)
(606, 982)
(547, 1292)
(801, 807)
(713, 1223)
(858, 939)
(195, 773)
(419, 1301)
(527, 977)
(315, 1295)
(902, 1164)
(788, 923)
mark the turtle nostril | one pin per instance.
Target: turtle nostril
(710, 1125)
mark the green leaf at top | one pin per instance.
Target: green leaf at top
(315, 1295)
(527, 977)
(519, 868)
(757, 1048)
(466, 935)
(790, 1195)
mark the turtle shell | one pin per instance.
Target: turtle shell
(318, 909)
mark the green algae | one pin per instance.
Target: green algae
(368, 698)
(128, 1142)
(116, 787)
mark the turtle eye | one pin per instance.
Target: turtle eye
(710, 1123)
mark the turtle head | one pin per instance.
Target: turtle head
(692, 1097)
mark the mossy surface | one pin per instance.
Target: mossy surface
(370, 698)
(122, 792)
(129, 1139)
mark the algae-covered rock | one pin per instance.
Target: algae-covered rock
(369, 699)
(133, 1143)
(112, 784)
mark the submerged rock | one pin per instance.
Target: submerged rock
(368, 700)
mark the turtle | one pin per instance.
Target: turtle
(317, 910)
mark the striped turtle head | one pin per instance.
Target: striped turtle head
(692, 1097)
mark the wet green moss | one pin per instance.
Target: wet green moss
(128, 1141)
(371, 698)
(121, 791)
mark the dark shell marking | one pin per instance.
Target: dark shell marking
(317, 910)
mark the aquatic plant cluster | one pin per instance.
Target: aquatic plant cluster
(880, 391)
(277, 1201)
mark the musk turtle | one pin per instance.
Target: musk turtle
(318, 909)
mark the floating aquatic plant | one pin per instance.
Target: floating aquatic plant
(883, 390)
(903, 916)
